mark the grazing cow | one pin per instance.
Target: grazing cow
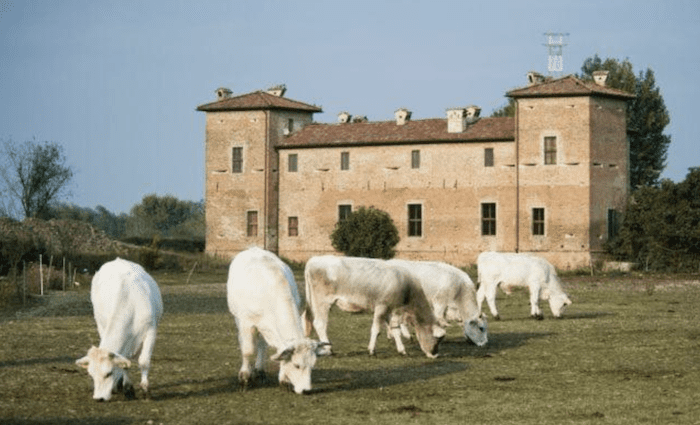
(520, 270)
(263, 298)
(359, 284)
(127, 305)
(452, 295)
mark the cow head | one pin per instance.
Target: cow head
(558, 303)
(107, 372)
(476, 330)
(429, 336)
(296, 363)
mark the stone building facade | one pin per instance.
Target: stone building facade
(552, 180)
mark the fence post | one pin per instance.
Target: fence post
(63, 275)
(24, 282)
(41, 275)
(48, 279)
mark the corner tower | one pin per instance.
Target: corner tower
(241, 166)
(572, 160)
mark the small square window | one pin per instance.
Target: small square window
(345, 160)
(237, 160)
(344, 211)
(292, 163)
(488, 157)
(415, 159)
(550, 150)
(293, 226)
(252, 223)
(488, 219)
(538, 221)
(415, 220)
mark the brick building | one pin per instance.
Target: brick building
(552, 180)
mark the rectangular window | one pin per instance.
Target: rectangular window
(252, 223)
(293, 226)
(488, 157)
(290, 126)
(415, 220)
(415, 159)
(488, 219)
(345, 160)
(292, 163)
(538, 221)
(613, 224)
(237, 160)
(550, 150)
(344, 211)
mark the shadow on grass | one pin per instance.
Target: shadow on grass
(334, 380)
(67, 421)
(38, 361)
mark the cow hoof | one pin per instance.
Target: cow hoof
(129, 392)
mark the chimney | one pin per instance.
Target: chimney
(344, 117)
(456, 120)
(473, 113)
(402, 116)
(534, 78)
(600, 77)
(277, 90)
(223, 93)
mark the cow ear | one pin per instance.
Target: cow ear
(119, 360)
(285, 355)
(83, 362)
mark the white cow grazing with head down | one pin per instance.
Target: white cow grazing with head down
(359, 284)
(520, 270)
(450, 290)
(262, 296)
(127, 305)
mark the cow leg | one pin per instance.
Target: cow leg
(321, 325)
(489, 292)
(246, 339)
(381, 313)
(149, 343)
(395, 325)
(535, 311)
(260, 358)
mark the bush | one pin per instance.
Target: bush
(367, 232)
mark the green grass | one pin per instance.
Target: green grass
(626, 352)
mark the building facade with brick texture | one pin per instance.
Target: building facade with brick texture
(552, 181)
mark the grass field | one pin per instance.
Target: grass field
(626, 352)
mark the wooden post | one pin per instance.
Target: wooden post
(63, 275)
(41, 275)
(24, 282)
(70, 268)
(48, 279)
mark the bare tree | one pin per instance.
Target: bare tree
(35, 175)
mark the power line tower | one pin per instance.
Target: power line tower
(555, 46)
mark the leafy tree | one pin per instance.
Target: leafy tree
(661, 227)
(35, 175)
(647, 117)
(100, 218)
(508, 110)
(366, 232)
(161, 215)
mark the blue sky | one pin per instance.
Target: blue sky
(117, 82)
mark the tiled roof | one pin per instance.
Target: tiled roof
(258, 100)
(568, 86)
(388, 132)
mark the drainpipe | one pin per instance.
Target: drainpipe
(266, 205)
(517, 176)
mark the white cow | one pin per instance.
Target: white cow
(452, 295)
(520, 270)
(359, 284)
(127, 305)
(262, 296)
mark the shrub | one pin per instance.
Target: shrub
(367, 232)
